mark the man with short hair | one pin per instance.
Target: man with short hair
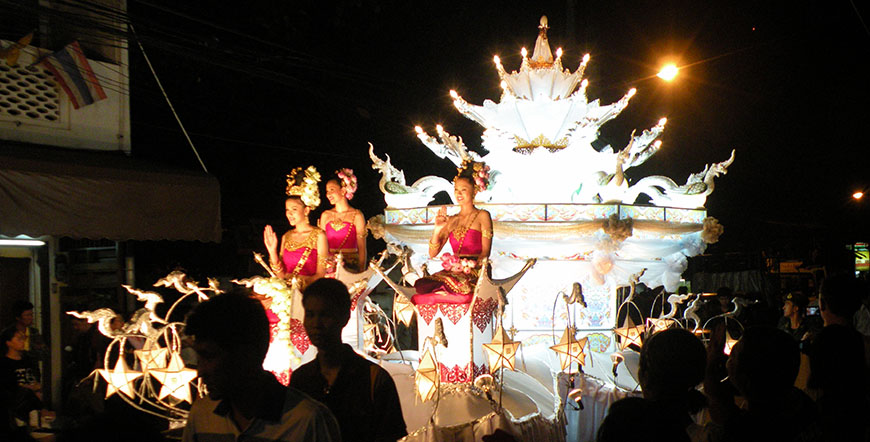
(794, 320)
(360, 394)
(245, 402)
(839, 299)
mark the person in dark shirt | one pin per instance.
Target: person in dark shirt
(19, 376)
(672, 364)
(762, 368)
(794, 320)
(360, 394)
(35, 347)
(230, 335)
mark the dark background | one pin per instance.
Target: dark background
(266, 86)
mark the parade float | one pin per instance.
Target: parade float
(570, 229)
(540, 351)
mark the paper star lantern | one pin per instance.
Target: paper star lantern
(629, 334)
(570, 350)
(120, 379)
(729, 343)
(152, 359)
(174, 379)
(403, 309)
(426, 379)
(659, 324)
(501, 352)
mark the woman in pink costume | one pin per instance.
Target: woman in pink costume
(345, 226)
(302, 256)
(470, 235)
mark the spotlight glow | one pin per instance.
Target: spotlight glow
(858, 195)
(669, 72)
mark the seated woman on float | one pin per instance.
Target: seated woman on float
(344, 225)
(303, 249)
(470, 235)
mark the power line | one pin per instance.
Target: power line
(247, 142)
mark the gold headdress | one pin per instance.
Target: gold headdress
(476, 171)
(304, 185)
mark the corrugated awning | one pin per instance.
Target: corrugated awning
(85, 194)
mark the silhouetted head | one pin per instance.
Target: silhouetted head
(231, 338)
(672, 364)
(764, 363)
(327, 310)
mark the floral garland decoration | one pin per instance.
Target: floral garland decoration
(455, 264)
(348, 182)
(304, 186)
(281, 293)
(476, 171)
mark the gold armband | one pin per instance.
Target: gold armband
(486, 233)
(435, 244)
(322, 260)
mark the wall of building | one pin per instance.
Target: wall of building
(33, 109)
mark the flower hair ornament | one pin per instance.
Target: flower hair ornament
(476, 171)
(348, 182)
(304, 185)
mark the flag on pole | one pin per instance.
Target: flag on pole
(74, 75)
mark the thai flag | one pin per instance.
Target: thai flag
(74, 75)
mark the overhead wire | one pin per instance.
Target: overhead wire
(180, 44)
(168, 101)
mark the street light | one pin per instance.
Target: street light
(858, 195)
(668, 72)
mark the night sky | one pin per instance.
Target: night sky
(263, 89)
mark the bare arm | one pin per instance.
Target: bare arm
(270, 240)
(436, 242)
(322, 253)
(486, 231)
(360, 222)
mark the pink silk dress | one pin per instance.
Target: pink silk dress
(342, 240)
(292, 255)
(446, 287)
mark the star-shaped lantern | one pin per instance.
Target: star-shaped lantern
(570, 350)
(629, 334)
(426, 379)
(729, 343)
(175, 379)
(659, 324)
(502, 351)
(403, 309)
(152, 359)
(120, 379)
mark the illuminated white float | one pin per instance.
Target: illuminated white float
(557, 199)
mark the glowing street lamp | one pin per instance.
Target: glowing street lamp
(858, 195)
(668, 72)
